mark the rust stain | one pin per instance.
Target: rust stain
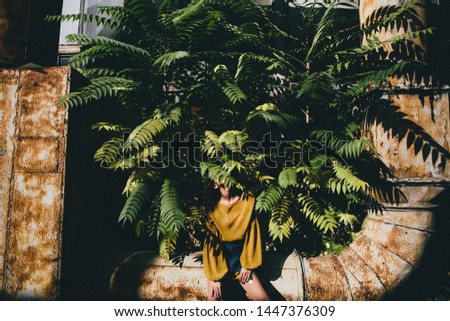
(9, 83)
(32, 256)
(31, 213)
(37, 155)
(389, 267)
(146, 276)
(409, 244)
(325, 279)
(418, 219)
(368, 286)
(414, 154)
(367, 7)
(40, 115)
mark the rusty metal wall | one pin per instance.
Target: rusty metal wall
(33, 135)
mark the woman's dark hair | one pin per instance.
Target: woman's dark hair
(211, 196)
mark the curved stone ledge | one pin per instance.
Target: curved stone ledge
(388, 250)
(407, 243)
(368, 285)
(326, 279)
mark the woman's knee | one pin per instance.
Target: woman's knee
(261, 297)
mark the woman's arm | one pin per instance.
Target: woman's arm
(251, 256)
(214, 263)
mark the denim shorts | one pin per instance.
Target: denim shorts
(232, 253)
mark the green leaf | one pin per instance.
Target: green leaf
(167, 59)
(287, 177)
(135, 202)
(268, 198)
(171, 219)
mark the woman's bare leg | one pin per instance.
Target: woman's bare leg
(255, 289)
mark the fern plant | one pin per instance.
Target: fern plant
(206, 91)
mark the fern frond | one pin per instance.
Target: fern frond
(135, 203)
(271, 114)
(231, 164)
(99, 20)
(281, 223)
(268, 198)
(348, 149)
(95, 72)
(249, 62)
(287, 177)
(188, 12)
(323, 32)
(99, 88)
(110, 152)
(347, 219)
(174, 116)
(143, 134)
(135, 178)
(227, 84)
(346, 175)
(217, 173)
(109, 127)
(101, 40)
(233, 140)
(167, 59)
(318, 86)
(321, 218)
(171, 219)
(153, 216)
(211, 144)
(147, 155)
(90, 55)
(233, 92)
(353, 149)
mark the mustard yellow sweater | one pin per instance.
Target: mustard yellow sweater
(232, 223)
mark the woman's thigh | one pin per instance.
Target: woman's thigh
(255, 289)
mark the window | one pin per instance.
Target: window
(66, 50)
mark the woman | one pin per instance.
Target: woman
(232, 247)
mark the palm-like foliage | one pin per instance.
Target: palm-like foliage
(214, 69)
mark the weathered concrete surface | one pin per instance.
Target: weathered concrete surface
(367, 7)
(146, 276)
(422, 220)
(326, 279)
(33, 176)
(388, 251)
(409, 244)
(411, 154)
(388, 266)
(368, 285)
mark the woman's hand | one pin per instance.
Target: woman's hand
(216, 290)
(244, 275)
